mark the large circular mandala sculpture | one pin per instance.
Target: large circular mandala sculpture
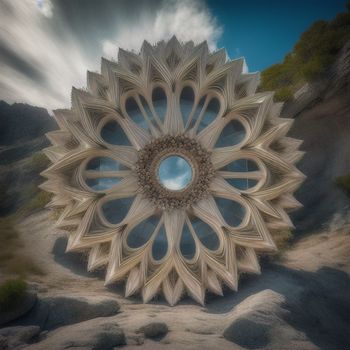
(172, 171)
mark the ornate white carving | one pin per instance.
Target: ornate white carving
(263, 203)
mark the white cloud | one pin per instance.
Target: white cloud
(188, 20)
(57, 60)
(45, 7)
(44, 60)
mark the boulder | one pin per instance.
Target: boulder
(154, 330)
(247, 333)
(94, 334)
(259, 322)
(53, 312)
(19, 336)
(3, 343)
(23, 307)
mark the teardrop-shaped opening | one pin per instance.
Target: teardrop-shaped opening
(205, 233)
(187, 243)
(186, 103)
(210, 114)
(232, 134)
(232, 211)
(134, 112)
(102, 183)
(113, 133)
(159, 102)
(142, 232)
(115, 210)
(105, 164)
(242, 184)
(197, 111)
(241, 165)
(160, 245)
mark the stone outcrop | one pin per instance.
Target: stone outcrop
(322, 120)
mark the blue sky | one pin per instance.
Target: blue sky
(264, 31)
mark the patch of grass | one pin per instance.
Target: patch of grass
(13, 260)
(343, 182)
(36, 203)
(282, 239)
(38, 162)
(316, 49)
(284, 94)
(33, 198)
(11, 293)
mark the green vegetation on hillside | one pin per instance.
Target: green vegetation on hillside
(313, 53)
(343, 182)
(11, 293)
(13, 259)
(21, 192)
(34, 198)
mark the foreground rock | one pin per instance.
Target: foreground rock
(53, 312)
(18, 337)
(154, 330)
(97, 334)
(24, 306)
(259, 322)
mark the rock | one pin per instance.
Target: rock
(26, 304)
(94, 334)
(54, 312)
(247, 333)
(259, 322)
(19, 335)
(154, 330)
(135, 340)
(322, 121)
(3, 343)
(110, 336)
(43, 335)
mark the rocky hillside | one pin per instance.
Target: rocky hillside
(322, 119)
(22, 135)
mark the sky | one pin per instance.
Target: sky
(46, 46)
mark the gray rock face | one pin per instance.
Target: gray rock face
(26, 304)
(322, 121)
(155, 330)
(94, 334)
(3, 343)
(53, 312)
(259, 322)
(16, 337)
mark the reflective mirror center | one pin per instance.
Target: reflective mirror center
(175, 173)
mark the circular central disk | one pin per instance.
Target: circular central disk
(175, 173)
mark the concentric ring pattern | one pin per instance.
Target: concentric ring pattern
(172, 99)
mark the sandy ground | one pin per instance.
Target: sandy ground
(317, 265)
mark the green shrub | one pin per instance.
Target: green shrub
(343, 182)
(11, 293)
(311, 56)
(38, 162)
(38, 202)
(13, 259)
(282, 239)
(283, 94)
